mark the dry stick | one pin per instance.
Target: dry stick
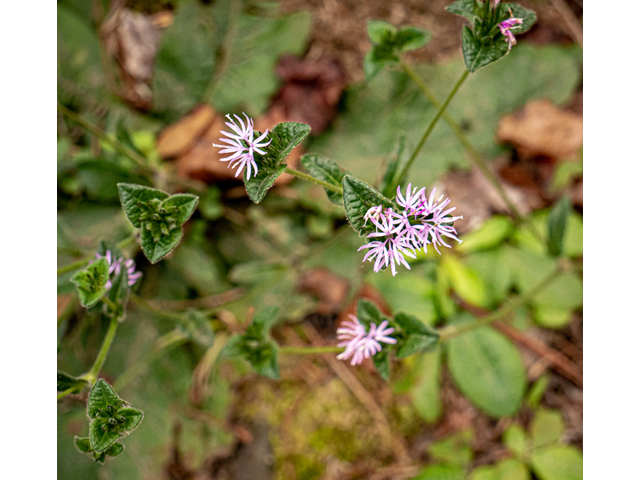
(477, 158)
(572, 22)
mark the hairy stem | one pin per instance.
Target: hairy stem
(430, 128)
(92, 375)
(447, 333)
(309, 178)
(476, 157)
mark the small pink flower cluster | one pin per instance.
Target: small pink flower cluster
(424, 221)
(116, 264)
(505, 29)
(241, 145)
(360, 344)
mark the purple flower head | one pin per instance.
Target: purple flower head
(116, 264)
(505, 29)
(241, 145)
(423, 221)
(360, 344)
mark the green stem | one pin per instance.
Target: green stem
(476, 157)
(115, 143)
(309, 178)
(305, 350)
(81, 263)
(430, 128)
(92, 375)
(65, 393)
(447, 333)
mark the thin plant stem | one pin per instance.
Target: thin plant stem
(476, 157)
(65, 393)
(305, 350)
(309, 178)
(81, 263)
(92, 375)
(447, 333)
(430, 128)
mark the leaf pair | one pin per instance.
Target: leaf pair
(92, 282)
(284, 138)
(158, 215)
(255, 346)
(388, 43)
(485, 43)
(110, 419)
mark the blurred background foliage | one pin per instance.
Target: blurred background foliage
(498, 403)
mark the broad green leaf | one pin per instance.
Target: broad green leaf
(464, 281)
(490, 234)
(489, 371)
(257, 186)
(128, 419)
(133, 197)
(412, 38)
(83, 444)
(552, 317)
(573, 236)
(103, 401)
(102, 434)
(372, 65)
(425, 393)
(66, 381)
(156, 251)
(411, 324)
(115, 449)
(455, 449)
(380, 31)
(547, 427)
(558, 462)
(556, 226)
(285, 137)
(441, 472)
(381, 362)
(394, 165)
(463, 8)
(265, 360)
(528, 17)
(417, 336)
(515, 439)
(508, 469)
(494, 271)
(262, 323)
(92, 282)
(324, 169)
(185, 203)
(358, 199)
(368, 313)
(479, 53)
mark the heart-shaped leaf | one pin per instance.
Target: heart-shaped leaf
(479, 53)
(258, 185)
(102, 434)
(157, 250)
(103, 400)
(358, 198)
(134, 197)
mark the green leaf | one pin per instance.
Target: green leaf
(558, 462)
(258, 185)
(134, 197)
(372, 65)
(380, 31)
(547, 427)
(102, 400)
(489, 371)
(479, 53)
(394, 164)
(368, 313)
(490, 234)
(537, 390)
(556, 226)
(128, 419)
(66, 381)
(493, 269)
(262, 322)
(515, 439)
(324, 169)
(102, 434)
(464, 281)
(156, 251)
(92, 282)
(528, 17)
(265, 360)
(234, 348)
(412, 38)
(454, 450)
(419, 337)
(381, 362)
(464, 8)
(441, 472)
(115, 449)
(508, 469)
(358, 199)
(285, 137)
(185, 203)
(83, 444)
(425, 393)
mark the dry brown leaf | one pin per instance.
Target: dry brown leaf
(542, 129)
(179, 137)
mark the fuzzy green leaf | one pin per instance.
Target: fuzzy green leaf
(464, 8)
(381, 362)
(372, 65)
(285, 137)
(265, 360)
(324, 169)
(156, 251)
(92, 282)
(134, 197)
(529, 17)
(258, 185)
(479, 53)
(185, 203)
(102, 434)
(83, 444)
(368, 313)
(358, 199)
(103, 400)
(412, 38)
(128, 419)
(418, 338)
(380, 31)
(66, 381)
(556, 225)
(115, 449)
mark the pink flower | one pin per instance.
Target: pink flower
(360, 345)
(505, 29)
(116, 264)
(241, 145)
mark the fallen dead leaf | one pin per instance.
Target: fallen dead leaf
(542, 129)
(181, 136)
